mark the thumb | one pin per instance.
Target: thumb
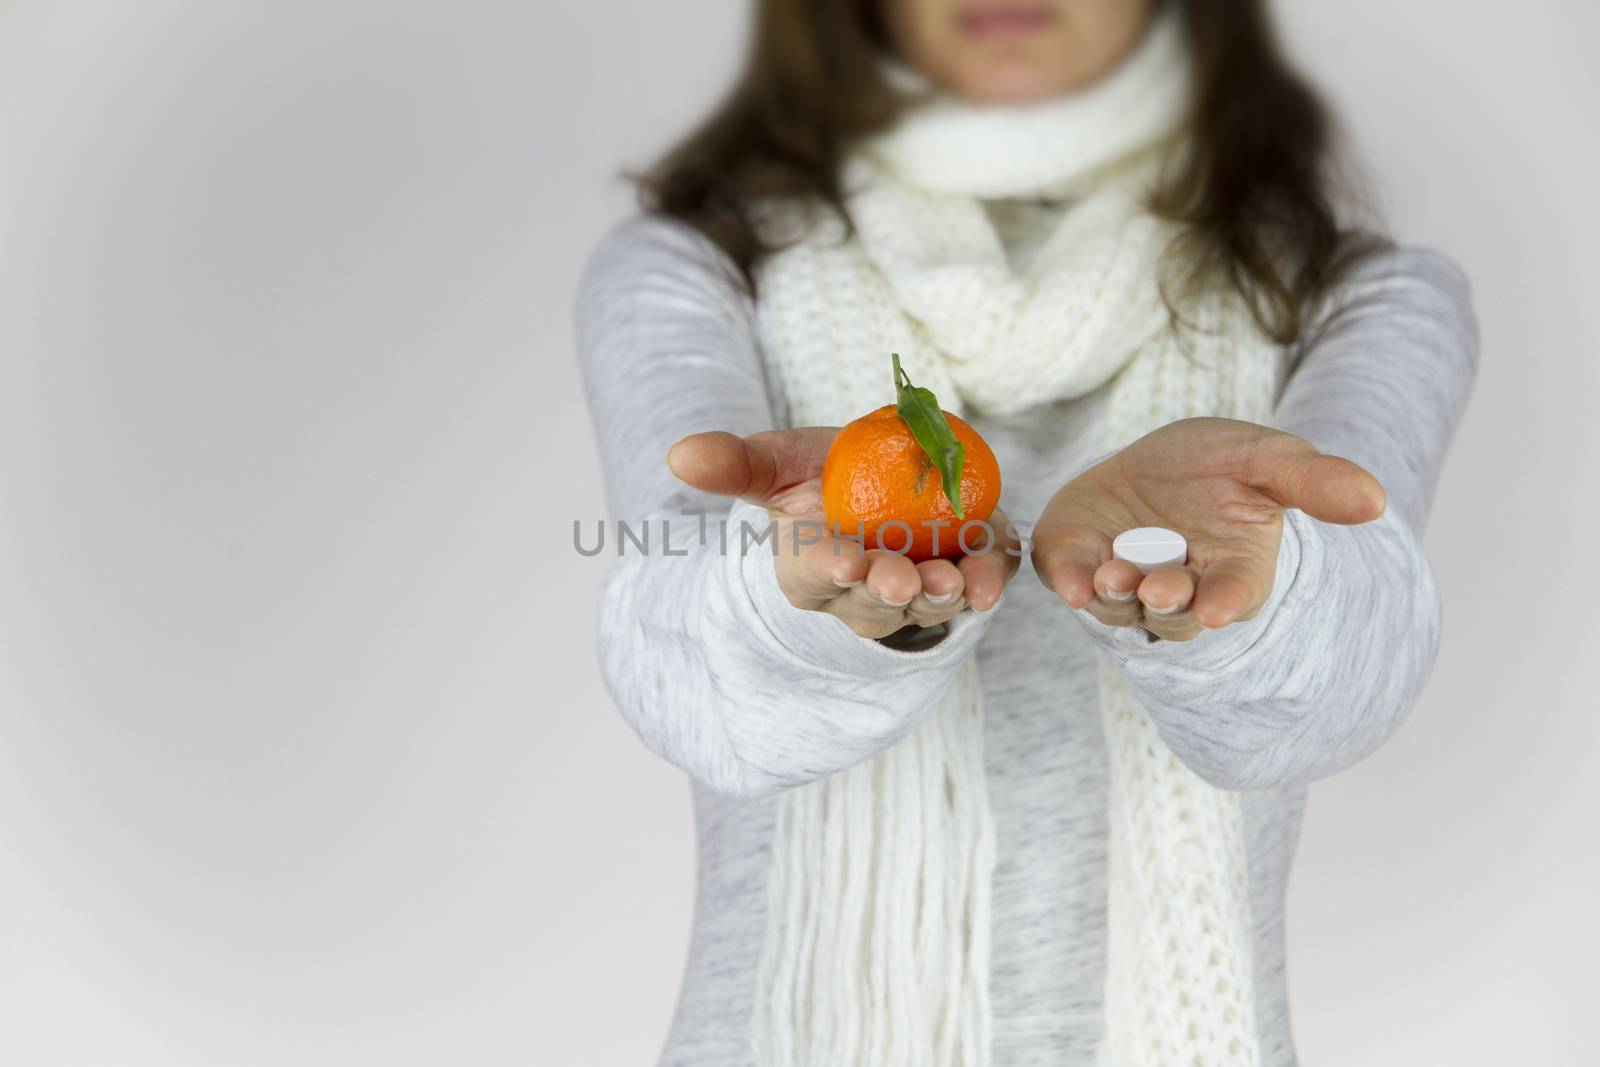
(1329, 488)
(755, 468)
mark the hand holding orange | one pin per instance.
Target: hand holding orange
(876, 592)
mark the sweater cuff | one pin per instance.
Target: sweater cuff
(823, 641)
(1215, 650)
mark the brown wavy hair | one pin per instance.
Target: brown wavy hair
(1255, 194)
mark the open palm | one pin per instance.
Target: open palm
(1224, 485)
(875, 592)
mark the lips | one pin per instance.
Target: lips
(998, 21)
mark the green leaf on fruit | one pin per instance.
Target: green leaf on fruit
(921, 412)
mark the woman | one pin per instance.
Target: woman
(953, 812)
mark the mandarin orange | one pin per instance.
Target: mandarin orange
(879, 483)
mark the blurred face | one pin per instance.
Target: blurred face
(1014, 51)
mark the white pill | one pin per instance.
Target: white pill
(1149, 547)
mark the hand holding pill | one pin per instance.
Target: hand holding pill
(1179, 532)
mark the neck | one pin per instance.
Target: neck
(951, 145)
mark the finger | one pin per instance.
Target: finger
(1116, 602)
(1167, 590)
(940, 598)
(1179, 626)
(877, 607)
(755, 468)
(1331, 488)
(1066, 560)
(1166, 595)
(892, 579)
(822, 570)
(1231, 590)
(993, 556)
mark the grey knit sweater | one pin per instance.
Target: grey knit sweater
(719, 674)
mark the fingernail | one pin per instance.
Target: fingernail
(942, 598)
(1174, 609)
(848, 585)
(1121, 598)
(895, 603)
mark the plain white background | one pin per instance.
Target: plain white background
(304, 757)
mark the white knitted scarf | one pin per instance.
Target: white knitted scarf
(877, 943)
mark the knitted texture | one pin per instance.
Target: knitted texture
(876, 950)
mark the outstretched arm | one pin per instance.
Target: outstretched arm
(1316, 656)
(705, 652)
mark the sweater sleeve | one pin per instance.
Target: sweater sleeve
(1329, 668)
(708, 662)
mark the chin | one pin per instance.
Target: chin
(1010, 85)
